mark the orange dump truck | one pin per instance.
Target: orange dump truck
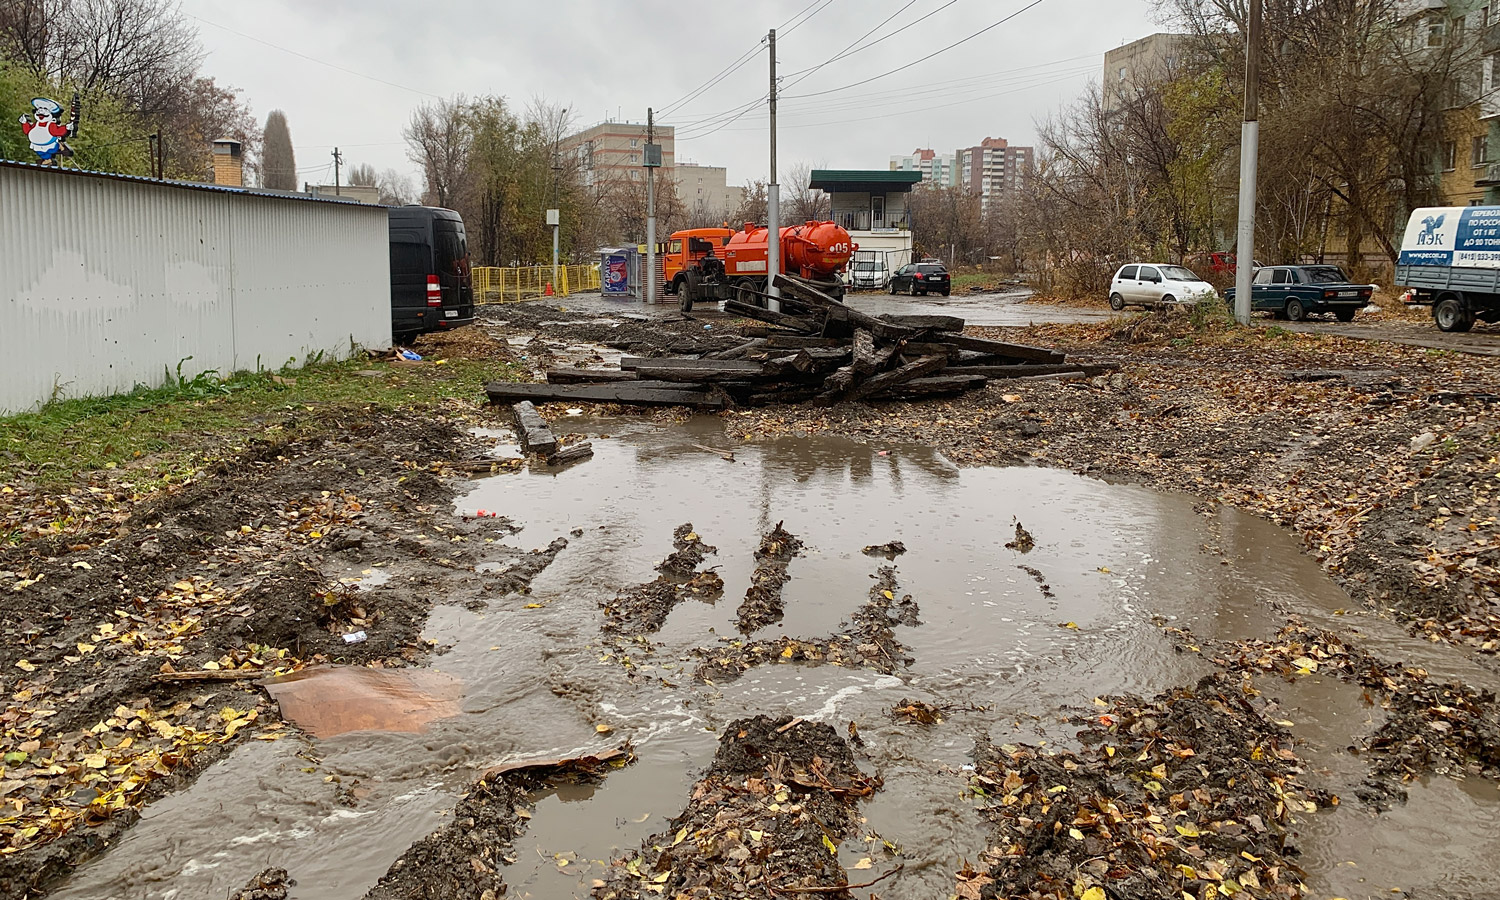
(712, 264)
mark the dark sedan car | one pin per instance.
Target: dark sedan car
(1294, 292)
(921, 278)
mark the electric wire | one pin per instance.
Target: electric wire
(988, 28)
(848, 52)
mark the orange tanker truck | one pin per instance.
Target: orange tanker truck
(706, 265)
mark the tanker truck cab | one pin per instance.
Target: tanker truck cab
(685, 250)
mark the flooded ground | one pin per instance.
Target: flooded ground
(1009, 643)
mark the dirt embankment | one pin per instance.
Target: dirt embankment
(129, 651)
(1385, 459)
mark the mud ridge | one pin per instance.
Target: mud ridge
(644, 609)
(768, 816)
(1182, 795)
(763, 604)
(1430, 728)
(870, 643)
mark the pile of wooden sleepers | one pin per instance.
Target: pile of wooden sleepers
(816, 348)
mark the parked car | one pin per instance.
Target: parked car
(922, 278)
(868, 274)
(432, 287)
(1153, 285)
(1294, 292)
(1218, 262)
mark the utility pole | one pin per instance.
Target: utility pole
(773, 203)
(155, 143)
(338, 161)
(1249, 162)
(650, 207)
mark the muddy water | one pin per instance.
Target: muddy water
(1008, 656)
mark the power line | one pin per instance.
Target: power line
(850, 51)
(972, 84)
(744, 59)
(1032, 5)
(804, 21)
(314, 59)
(733, 67)
(1036, 82)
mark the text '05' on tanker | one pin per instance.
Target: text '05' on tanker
(814, 250)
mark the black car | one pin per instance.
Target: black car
(432, 287)
(1294, 292)
(922, 278)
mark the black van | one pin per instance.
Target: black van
(432, 287)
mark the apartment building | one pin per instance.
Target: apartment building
(706, 191)
(935, 168)
(615, 151)
(1140, 64)
(994, 169)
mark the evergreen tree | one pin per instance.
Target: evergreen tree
(278, 164)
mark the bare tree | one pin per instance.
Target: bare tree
(804, 202)
(278, 164)
(362, 175)
(752, 207)
(439, 139)
(395, 189)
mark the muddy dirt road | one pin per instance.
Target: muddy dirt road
(869, 647)
(1007, 642)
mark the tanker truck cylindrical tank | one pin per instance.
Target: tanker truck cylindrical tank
(816, 250)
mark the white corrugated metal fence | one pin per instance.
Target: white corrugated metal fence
(107, 282)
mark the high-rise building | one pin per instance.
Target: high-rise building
(935, 169)
(615, 151)
(994, 169)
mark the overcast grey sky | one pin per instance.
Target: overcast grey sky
(614, 59)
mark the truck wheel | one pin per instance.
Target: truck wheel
(1450, 315)
(1116, 302)
(745, 292)
(685, 293)
(1295, 311)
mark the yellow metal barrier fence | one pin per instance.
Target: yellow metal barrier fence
(513, 284)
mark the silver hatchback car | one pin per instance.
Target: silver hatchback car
(1153, 285)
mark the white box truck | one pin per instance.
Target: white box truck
(1450, 259)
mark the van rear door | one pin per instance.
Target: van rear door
(411, 263)
(451, 249)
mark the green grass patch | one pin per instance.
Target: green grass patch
(969, 281)
(173, 426)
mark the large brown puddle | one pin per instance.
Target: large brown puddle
(1118, 561)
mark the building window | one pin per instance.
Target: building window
(1458, 30)
(1437, 30)
(1480, 150)
(1449, 156)
(635, 143)
(1123, 73)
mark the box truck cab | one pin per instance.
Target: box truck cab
(1450, 260)
(432, 287)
